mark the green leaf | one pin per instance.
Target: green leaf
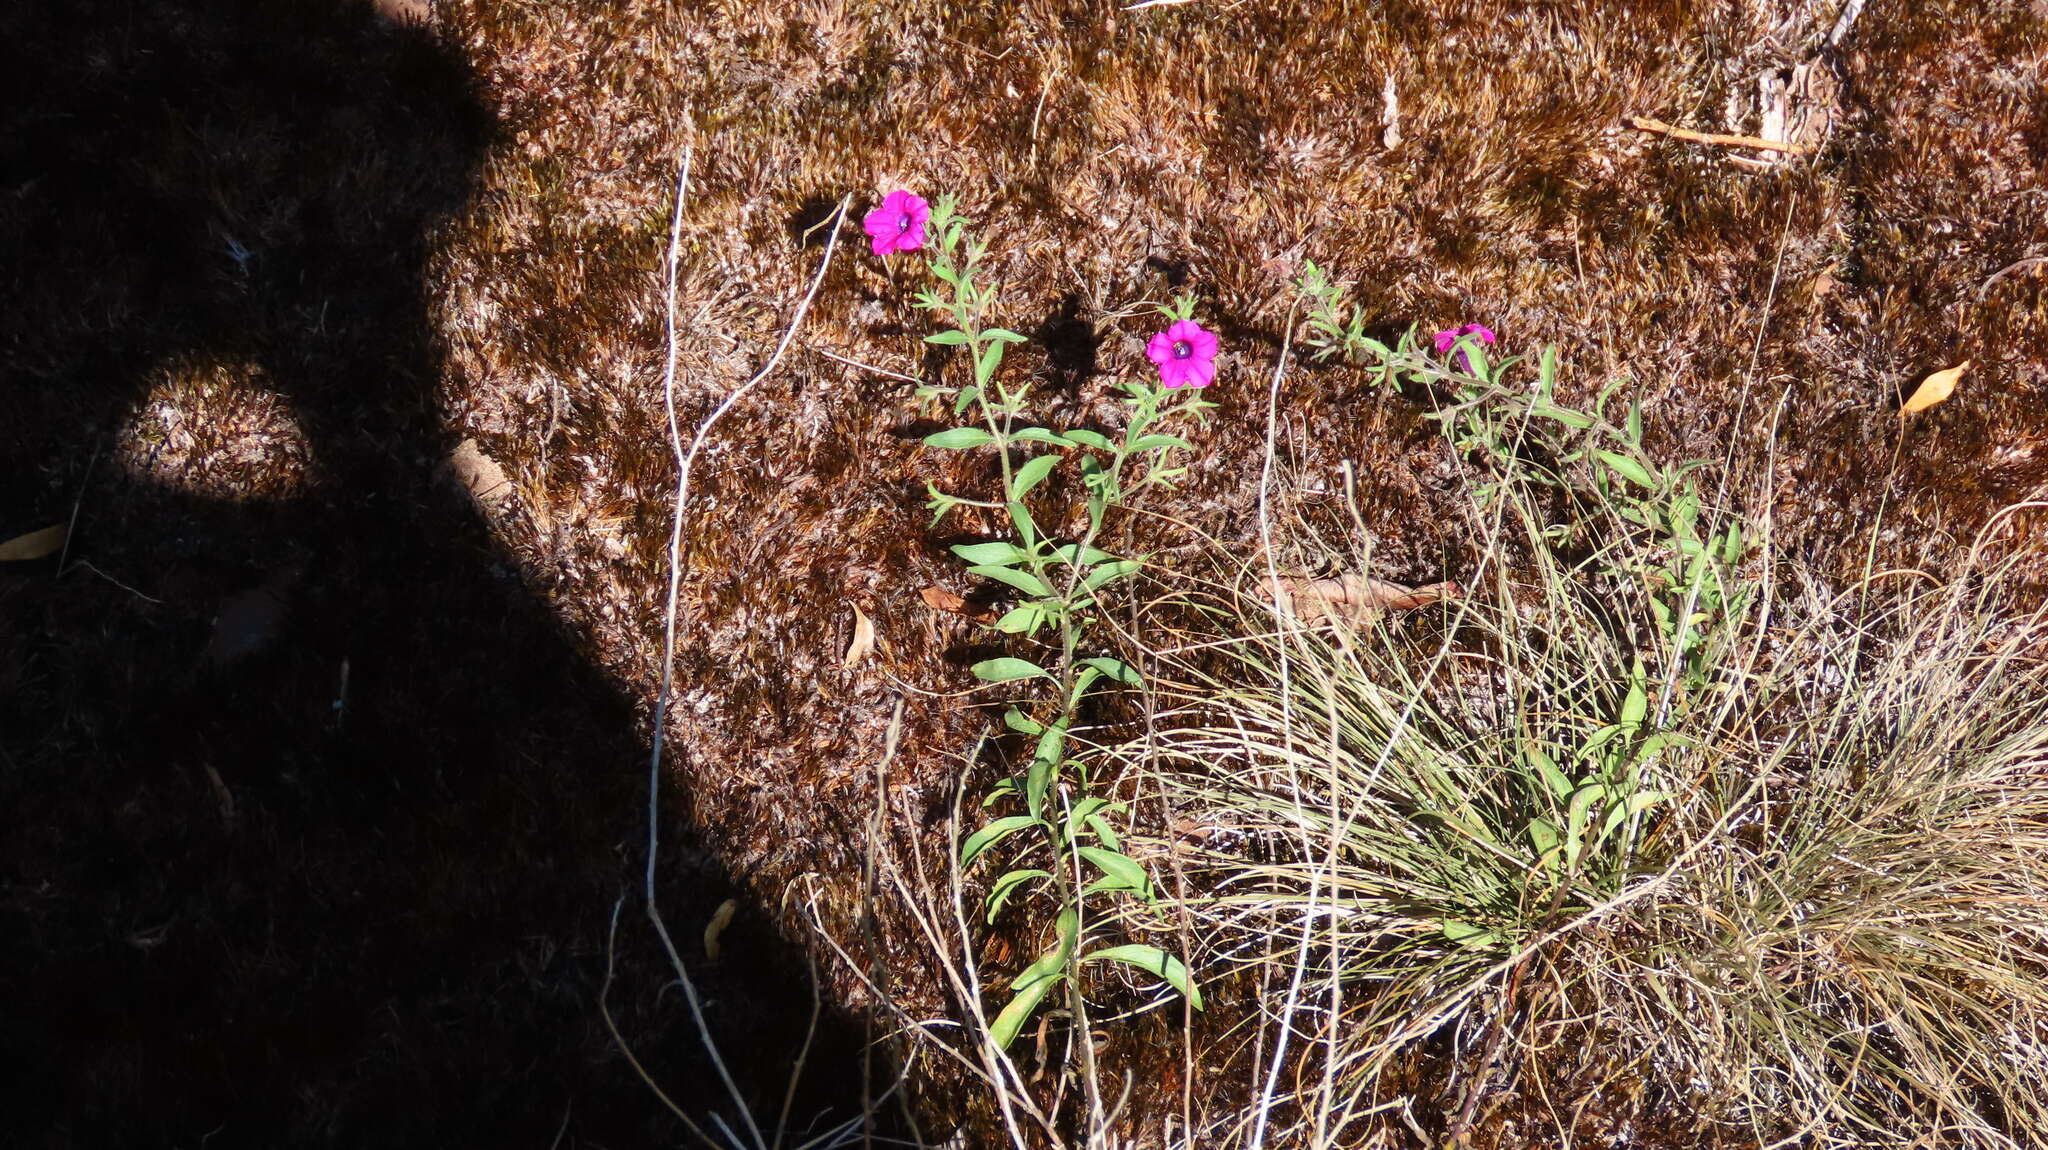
(1073, 554)
(959, 438)
(1078, 817)
(1546, 767)
(1577, 813)
(1116, 669)
(1005, 336)
(1039, 435)
(1148, 442)
(1020, 516)
(1037, 784)
(1628, 469)
(1001, 789)
(1082, 682)
(985, 367)
(1025, 620)
(1636, 707)
(1567, 416)
(1067, 923)
(1031, 474)
(1016, 577)
(1004, 1030)
(1109, 573)
(1637, 803)
(992, 834)
(947, 338)
(1045, 765)
(1006, 670)
(1153, 960)
(1104, 832)
(1022, 723)
(1731, 545)
(1086, 438)
(1120, 871)
(998, 553)
(1465, 934)
(1005, 887)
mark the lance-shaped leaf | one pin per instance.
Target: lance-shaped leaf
(1119, 871)
(1032, 474)
(979, 842)
(1934, 389)
(1008, 669)
(1016, 577)
(1116, 669)
(1037, 981)
(1153, 960)
(983, 553)
(959, 438)
(1007, 886)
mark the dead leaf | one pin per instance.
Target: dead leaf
(222, 794)
(720, 919)
(1934, 389)
(940, 599)
(477, 473)
(1357, 599)
(34, 545)
(863, 639)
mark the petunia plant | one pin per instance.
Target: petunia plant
(1058, 582)
(1618, 515)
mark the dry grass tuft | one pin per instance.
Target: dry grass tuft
(1502, 884)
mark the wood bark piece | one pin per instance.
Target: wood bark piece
(1351, 598)
(1646, 124)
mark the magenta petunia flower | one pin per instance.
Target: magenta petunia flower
(898, 225)
(1186, 354)
(1449, 337)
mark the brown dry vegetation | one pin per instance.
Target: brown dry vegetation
(458, 234)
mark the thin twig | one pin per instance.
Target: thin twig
(685, 462)
(116, 582)
(2001, 273)
(604, 1009)
(869, 367)
(71, 528)
(1646, 124)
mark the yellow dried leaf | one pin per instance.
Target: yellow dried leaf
(720, 919)
(863, 639)
(33, 545)
(1934, 389)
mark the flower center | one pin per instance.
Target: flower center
(903, 222)
(1182, 349)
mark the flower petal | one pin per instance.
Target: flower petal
(1446, 340)
(1200, 372)
(1202, 345)
(1484, 333)
(1160, 349)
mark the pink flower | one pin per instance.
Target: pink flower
(1448, 339)
(1186, 354)
(898, 225)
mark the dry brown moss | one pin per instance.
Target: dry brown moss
(1112, 156)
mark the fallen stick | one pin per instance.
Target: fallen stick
(1646, 124)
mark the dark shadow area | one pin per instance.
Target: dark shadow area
(1070, 343)
(315, 817)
